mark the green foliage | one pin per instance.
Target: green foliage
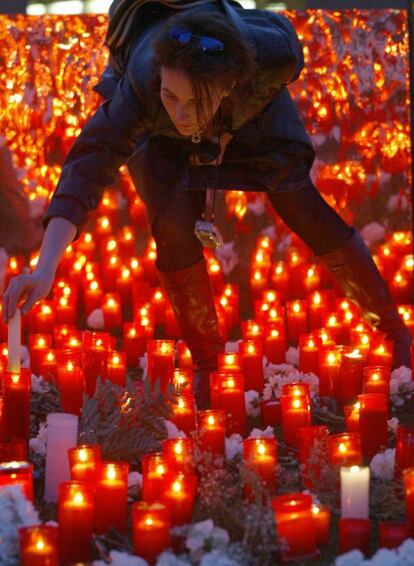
(126, 422)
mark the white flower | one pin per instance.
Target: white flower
(402, 374)
(234, 446)
(172, 430)
(252, 403)
(292, 356)
(384, 557)
(38, 444)
(122, 559)
(143, 363)
(268, 432)
(397, 202)
(352, 558)
(96, 319)
(170, 559)
(134, 479)
(38, 384)
(373, 232)
(269, 231)
(406, 551)
(257, 207)
(382, 464)
(217, 558)
(227, 257)
(204, 536)
(24, 356)
(15, 512)
(232, 347)
(393, 425)
(284, 243)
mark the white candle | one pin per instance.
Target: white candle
(62, 434)
(354, 492)
(13, 343)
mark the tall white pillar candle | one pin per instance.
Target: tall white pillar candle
(354, 492)
(13, 343)
(62, 434)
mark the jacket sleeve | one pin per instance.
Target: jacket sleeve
(106, 141)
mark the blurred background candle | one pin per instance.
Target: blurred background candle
(150, 530)
(294, 525)
(154, 469)
(274, 343)
(38, 345)
(229, 361)
(111, 497)
(211, 430)
(18, 473)
(297, 319)
(84, 461)
(95, 359)
(76, 516)
(39, 546)
(373, 418)
(354, 492)
(62, 433)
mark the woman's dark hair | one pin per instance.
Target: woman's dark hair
(207, 71)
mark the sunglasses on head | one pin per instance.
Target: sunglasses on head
(205, 43)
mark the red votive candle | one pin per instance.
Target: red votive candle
(41, 319)
(14, 449)
(179, 496)
(271, 411)
(345, 449)
(296, 389)
(184, 412)
(251, 330)
(404, 449)
(111, 497)
(116, 369)
(16, 404)
(376, 379)
(154, 469)
(38, 345)
(296, 319)
(308, 354)
(392, 534)
(112, 311)
(39, 546)
(319, 304)
(381, 354)
(92, 296)
(18, 473)
(354, 534)
(322, 521)
(229, 361)
(260, 455)
(274, 343)
(161, 361)
(350, 377)
(313, 450)
(211, 430)
(96, 345)
(294, 525)
(76, 514)
(179, 453)
(230, 398)
(134, 343)
(150, 530)
(251, 353)
(296, 413)
(373, 423)
(48, 365)
(184, 356)
(329, 367)
(183, 379)
(84, 462)
(71, 381)
(351, 413)
(408, 477)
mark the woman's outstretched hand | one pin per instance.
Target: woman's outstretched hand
(30, 288)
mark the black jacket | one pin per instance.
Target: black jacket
(268, 135)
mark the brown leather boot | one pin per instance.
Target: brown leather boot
(353, 267)
(191, 297)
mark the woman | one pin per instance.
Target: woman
(197, 100)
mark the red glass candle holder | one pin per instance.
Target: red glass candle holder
(18, 473)
(404, 449)
(308, 354)
(134, 342)
(96, 345)
(38, 344)
(154, 470)
(179, 496)
(351, 413)
(75, 516)
(275, 343)
(84, 461)
(376, 379)
(111, 496)
(295, 526)
(229, 397)
(184, 356)
(354, 534)
(322, 521)
(71, 383)
(185, 412)
(381, 353)
(179, 453)
(373, 423)
(350, 376)
(392, 534)
(150, 530)
(211, 425)
(271, 411)
(296, 413)
(345, 449)
(48, 365)
(251, 357)
(39, 545)
(329, 367)
(116, 368)
(14, 449)
(296, 389)
(161, 361)
(313, 452)
(183, 379)
(16, 404)
(229, 361)
(260, 455)
(296, 319)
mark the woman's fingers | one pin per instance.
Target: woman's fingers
(13, 294)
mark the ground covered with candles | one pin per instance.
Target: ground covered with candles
(307, 453)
